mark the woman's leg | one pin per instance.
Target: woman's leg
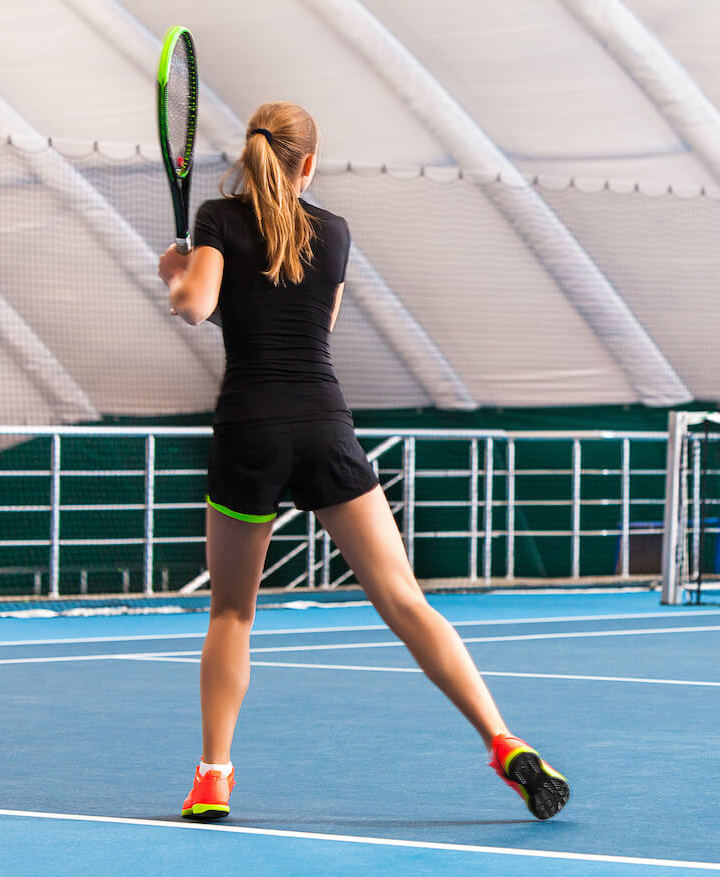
(235, 557)
(365, 531)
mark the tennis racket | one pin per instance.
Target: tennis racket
(177, 122)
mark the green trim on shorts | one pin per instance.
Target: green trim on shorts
(253, 519)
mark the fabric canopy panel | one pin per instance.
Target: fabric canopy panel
(69, 80)
(543, 87)
(690, 32)
(372, 374)
(95, 312)
(551, 92)
(77, 277)
(659, 248)
(476, 289)
(249, 53)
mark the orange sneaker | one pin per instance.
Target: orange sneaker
(543, 789)
(208, 798)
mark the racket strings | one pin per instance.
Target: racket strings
(180, 98)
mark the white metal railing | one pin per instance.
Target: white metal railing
(491, 472)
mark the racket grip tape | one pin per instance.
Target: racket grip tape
(184, 245)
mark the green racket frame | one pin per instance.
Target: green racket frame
(179, 167)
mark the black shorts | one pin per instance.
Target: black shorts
(321, 463)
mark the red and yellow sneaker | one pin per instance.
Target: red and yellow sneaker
(208, 798)
(543, 789)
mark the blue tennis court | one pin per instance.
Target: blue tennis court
(348, 760)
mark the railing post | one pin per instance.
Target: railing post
(576, 472)
(149, 511)
(54, 588)
(310, 550)
(409, 497)
(510, 511)
(325, 580)
(488, 516)
(474, 476)
(625, 534)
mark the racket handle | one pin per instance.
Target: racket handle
(183, 245)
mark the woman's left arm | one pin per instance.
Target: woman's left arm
(336, 306)
(193, 280)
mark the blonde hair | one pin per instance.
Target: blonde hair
(266, 173)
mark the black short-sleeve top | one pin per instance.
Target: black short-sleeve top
(277, 338)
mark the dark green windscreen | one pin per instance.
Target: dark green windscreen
(108, 568)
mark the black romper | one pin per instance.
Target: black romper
(281, 420)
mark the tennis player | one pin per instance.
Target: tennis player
(275, 265)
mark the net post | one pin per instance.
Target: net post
(671, 593)
(697, 517)
(409, 498)
(488, 515)
(701, 477)
(149, 512)
(576, 473)
(625, 537)
(474, 475)
(54, 586)
(510, 511)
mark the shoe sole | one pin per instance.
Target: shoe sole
(206, 811)
(545, 791)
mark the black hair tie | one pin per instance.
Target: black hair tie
(264, 131)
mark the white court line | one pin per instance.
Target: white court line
(378, 645)
(348, 629)
(59, 659)
(493, 639)
(482, 673)
(164, 659)
(570, 676)
(373, 841)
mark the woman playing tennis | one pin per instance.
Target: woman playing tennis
(274, 265)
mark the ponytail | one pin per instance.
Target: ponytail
(279, 137)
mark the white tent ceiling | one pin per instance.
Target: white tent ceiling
(469, 295)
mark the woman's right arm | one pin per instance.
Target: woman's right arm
(193, 280)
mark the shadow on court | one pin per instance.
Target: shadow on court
(328, 825)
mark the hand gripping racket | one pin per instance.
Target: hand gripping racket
(177, 121)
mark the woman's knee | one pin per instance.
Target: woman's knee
(403, 606)
(233, 596)
(231, 611)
